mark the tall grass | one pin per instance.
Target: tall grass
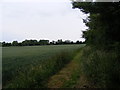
(102, 68)
(25, 67)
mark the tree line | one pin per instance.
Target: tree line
(40, 42)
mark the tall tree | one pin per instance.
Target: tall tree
(103, 22)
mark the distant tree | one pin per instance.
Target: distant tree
(25, 43)
(32, 42)
(15, 43)
(44, 42)
(79, 42)
(52, 43)
(35, 42)
(29, 43)
(72, 42)
(67, 42)
(8, 44)
(59, 41)
(19, 44)
(4, 44)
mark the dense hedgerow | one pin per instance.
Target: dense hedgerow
(102, 68)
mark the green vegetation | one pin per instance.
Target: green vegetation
(38, 43)
(100, 59)
(103, 23)
(75, 73)
(97, 65)
(100, 67)
(68, 76)
(25, 67)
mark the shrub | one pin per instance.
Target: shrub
(101, 67)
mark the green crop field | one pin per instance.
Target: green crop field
(29, 66)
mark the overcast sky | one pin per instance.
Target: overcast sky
(40, 19)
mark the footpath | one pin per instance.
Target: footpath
(69, 76)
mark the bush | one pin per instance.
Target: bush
(101, 67)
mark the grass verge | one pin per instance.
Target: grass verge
(68, 76)
(100, 67)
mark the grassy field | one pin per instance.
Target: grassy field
(30, 66)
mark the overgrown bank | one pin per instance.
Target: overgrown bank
(101, 68)
(100, 58)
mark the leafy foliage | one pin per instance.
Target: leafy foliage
(103, 22)
(100, 59)
(101, 67)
